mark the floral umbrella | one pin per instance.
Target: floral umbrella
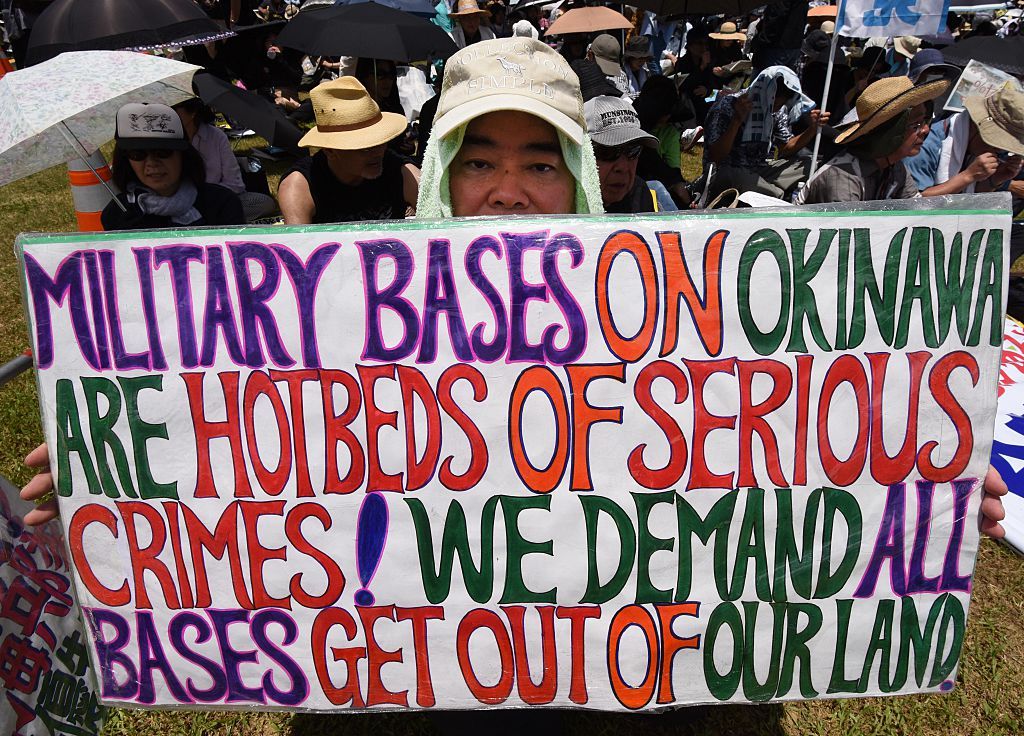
(64, 108)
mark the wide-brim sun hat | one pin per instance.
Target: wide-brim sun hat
(468, 7)
(728, 32)
(1000, 119)
(348, 119)
(885, 99)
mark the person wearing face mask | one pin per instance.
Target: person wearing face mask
(893, 119)
(161, 176)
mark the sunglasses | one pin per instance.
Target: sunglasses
(141, 154)
(614, 153)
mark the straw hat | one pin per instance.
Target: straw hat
(348, 119)
(1000, 119)
(468, 7)
(727, 32)
(885, 99)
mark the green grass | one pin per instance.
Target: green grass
(989, 698)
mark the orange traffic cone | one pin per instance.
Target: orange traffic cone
(88, 190)
(5, 63)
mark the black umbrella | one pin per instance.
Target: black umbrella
(88, 25)
(422, 8)
(256, 112)
(1002, 53)
(728, 8)
(366, 30)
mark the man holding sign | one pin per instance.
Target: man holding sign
(509, 136)
(287, 505)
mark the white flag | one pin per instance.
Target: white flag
(866, 18)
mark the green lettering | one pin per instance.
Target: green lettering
(517, 547)
(479, 582)
(764, 241)
(593, 507)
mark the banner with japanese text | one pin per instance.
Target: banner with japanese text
(45, 678)
(1008, 443)
(606, 462)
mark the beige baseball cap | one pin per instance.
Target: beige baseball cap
(516, 73)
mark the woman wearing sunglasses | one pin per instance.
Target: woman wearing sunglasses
(161, 177)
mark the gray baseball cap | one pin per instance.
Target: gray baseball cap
(612, 121)
(606, 51)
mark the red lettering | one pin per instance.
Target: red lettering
(207, 430)
(704, 423)
(419, 617)
(669, 475)
(585, 415)
(478, 455)
(577, 616)
(539, 378)
(415, 386)
(473, 621)
(376, 419)
(938, 383)
(335, 577)
(752, 419)
(93, 513)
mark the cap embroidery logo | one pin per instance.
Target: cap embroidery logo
(150, 123)
(509, 66)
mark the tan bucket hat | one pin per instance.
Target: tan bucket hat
(468, 7)
(728, 32)
(885, 99)
(1000, 119)
(348, 119)
(907, 45)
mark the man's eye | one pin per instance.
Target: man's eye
(477, 164)
(543, 168)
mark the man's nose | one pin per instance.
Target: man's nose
(508, 192)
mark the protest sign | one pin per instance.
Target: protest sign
(1008, 445)
(603, 462)
(979, 80)
(45, 677)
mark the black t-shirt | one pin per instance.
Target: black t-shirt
(382, 198)
(217, 205)
(638, 200)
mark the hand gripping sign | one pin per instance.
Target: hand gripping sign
(605, 462)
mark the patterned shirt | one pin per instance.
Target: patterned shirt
(846, 178)
(744, 154)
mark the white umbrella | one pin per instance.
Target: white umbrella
(64, 108)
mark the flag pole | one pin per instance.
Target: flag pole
(840, 19)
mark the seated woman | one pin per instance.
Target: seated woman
(161, 177)
(218, 158)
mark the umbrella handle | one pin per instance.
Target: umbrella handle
(84, 155)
